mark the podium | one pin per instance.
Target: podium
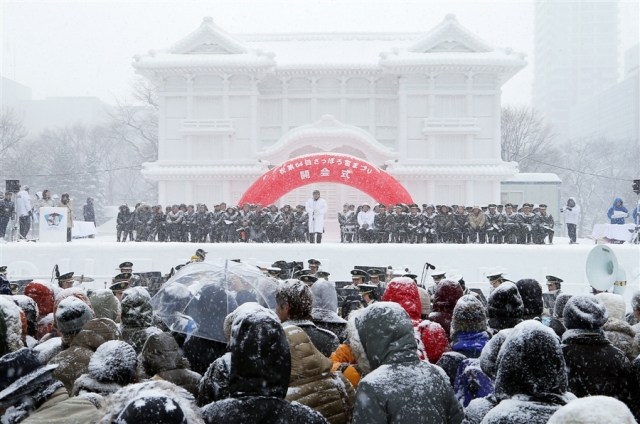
(53, 225)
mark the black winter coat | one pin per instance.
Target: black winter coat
(259, 377)
(594, 366)
(325, 341)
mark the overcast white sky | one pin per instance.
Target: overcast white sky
(86, 48)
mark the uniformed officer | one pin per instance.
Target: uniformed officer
(437, 275)
(357, 277)
(323, 274)
(201, 254)
(314, 265)
(309, 279)
(374, 276)
(301, 272)
(554, 284)
(65, 281)
(127, 268)
(495, 279)
(369, 293)
(120, 284)
(274, 274)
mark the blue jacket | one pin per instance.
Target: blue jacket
(471, 382)
(636, 215)
(470, 343)
(615, 208)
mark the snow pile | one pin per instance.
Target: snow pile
(114, 361)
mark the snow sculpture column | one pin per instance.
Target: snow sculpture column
(402, 118)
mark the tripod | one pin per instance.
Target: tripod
(635, 238)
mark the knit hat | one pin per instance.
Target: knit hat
(105, 305)
(114, 362)
(468, 315)
(561, 302)
(505, 302)
(72, 314)
(531, 294)
(446, 295)
(43, 296)
(614, 304)
(585, 312)
(160, 409)
(449, 362)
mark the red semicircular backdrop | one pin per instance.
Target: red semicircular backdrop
(326, 168)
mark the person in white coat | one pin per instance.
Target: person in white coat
(365, 223)
(571, 216)
(316, 208)
(23, 210)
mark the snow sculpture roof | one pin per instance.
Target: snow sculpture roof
(450, 36)
(327, 134)
(494, 171)
(211, 49)
(209, 39)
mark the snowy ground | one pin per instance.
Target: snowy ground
(100, 257)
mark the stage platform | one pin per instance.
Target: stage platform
(99, 259)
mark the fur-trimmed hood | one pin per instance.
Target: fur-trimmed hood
(119, 400)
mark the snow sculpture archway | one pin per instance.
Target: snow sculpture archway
(328, 168)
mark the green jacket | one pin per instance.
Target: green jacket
(401, 388)
(74, 361)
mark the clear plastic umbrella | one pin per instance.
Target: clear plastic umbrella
(197, 298)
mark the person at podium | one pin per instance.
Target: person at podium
(617, 212)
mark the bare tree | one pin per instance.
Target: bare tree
(526, 138)
(134, 120)
(12, 133)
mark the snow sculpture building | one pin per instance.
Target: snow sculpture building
(425, 107)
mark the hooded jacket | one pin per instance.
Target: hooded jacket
(259, 376)
(531, 383)
(444, 301)
(119, 400)
(74, 361)
(401, 388)
(42, 294)
(594, 365)
(615, 208)
(161, 359)
(106, 305)
(137, 319)
(312, 384)
(325, 305)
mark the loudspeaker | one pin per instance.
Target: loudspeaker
(12, 186)
(602, 268)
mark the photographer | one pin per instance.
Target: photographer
(572, 216)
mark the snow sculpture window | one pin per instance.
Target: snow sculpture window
(357, 86)
(328, 86)
(175, 83)
(299, 85)
(240, 83)
(387, 85)
(450, 107)
(208, 83)
(270, 85)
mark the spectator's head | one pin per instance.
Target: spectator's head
(190, 208)
(504, 307)
(489, 355)
(175, 208)
(571, 202)
(42, 293)
(105, 305)
(46, 194)
(531, 294)
(294, 301)
(324, 295)
(7, 195)
(71, 315)
(404, 291)
(380, 333)
(365, 207)
(114, 361)
(469, 315)
(64, 198)
(585, 312)
(561, 302)
(316, 194)
(531, 363)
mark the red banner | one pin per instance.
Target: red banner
(328, 168)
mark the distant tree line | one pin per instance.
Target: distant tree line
(100, 161)
(594, 170)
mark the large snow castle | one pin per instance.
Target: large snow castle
(423, 106)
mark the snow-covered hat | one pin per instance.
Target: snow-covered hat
(114, 362)
(593, 410)
(585, 312)
(20, 369)
(468, 315)
(72, 314)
